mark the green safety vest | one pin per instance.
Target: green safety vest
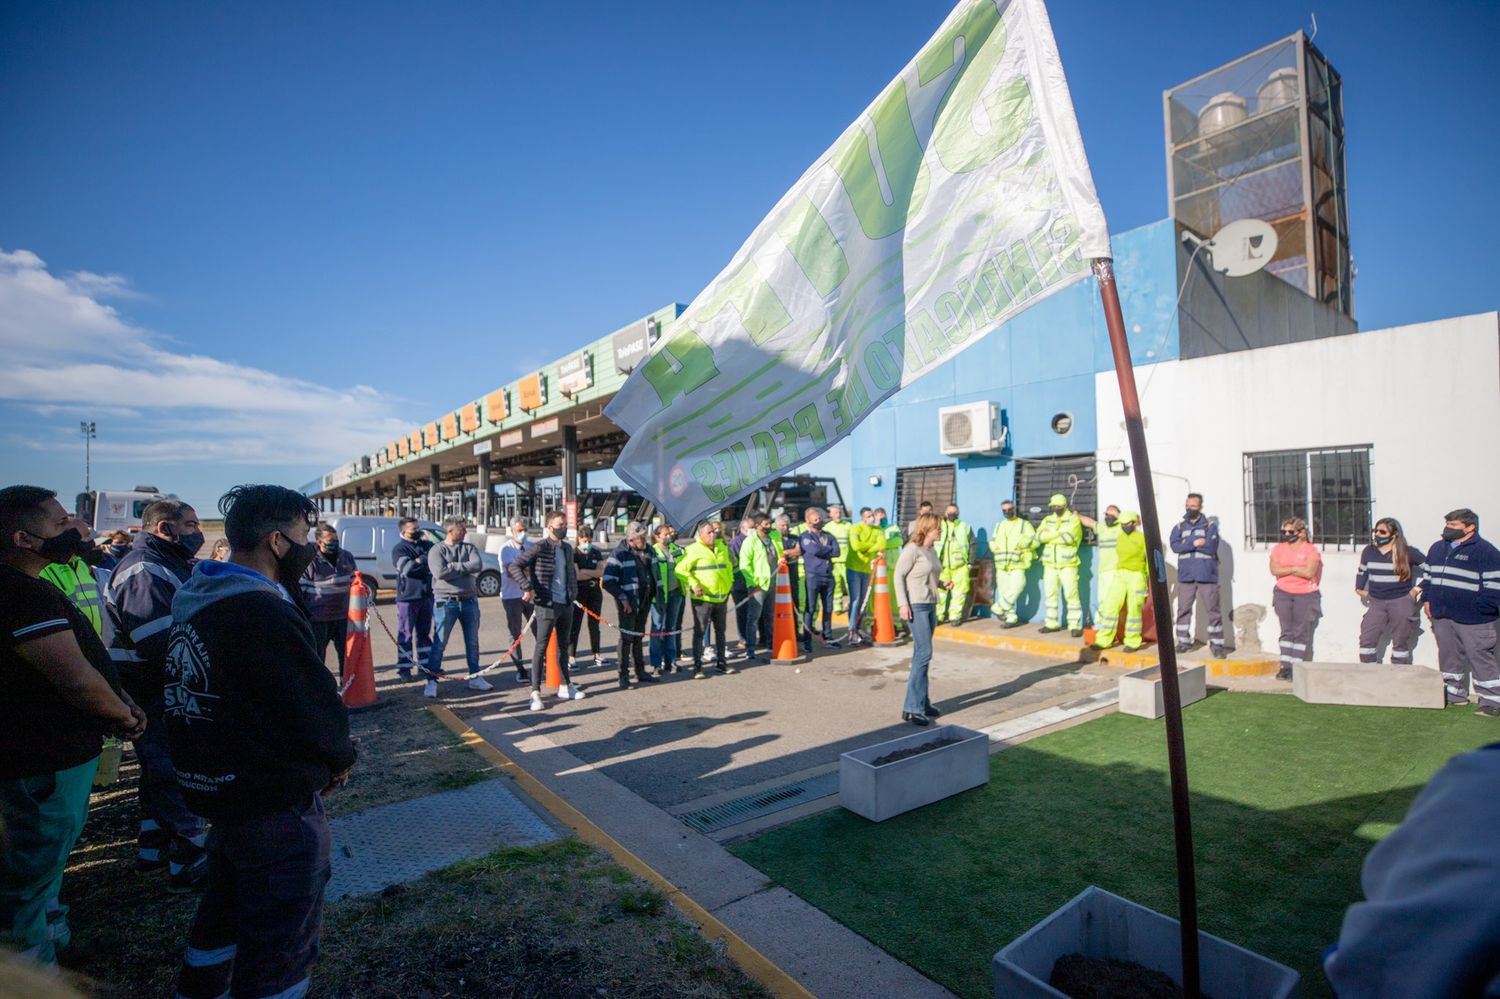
(666, 565)
(1060, 536)
(1108, 538)
(756, 565)
(865, 542)
(1132, 551)
(712, 569)
(840, 532)
(76, 581)
(955, 545)
(1013, 544)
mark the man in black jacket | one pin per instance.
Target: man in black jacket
(258, 734)
(628, 578)
(413, 598)
(548, 576)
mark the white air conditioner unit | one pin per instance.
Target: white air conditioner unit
(973, 428)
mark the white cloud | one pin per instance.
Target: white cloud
(62, 344)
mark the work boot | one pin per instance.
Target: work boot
(1285, 673)
(403, 673)
(918, 720)
(1048, 629)
(1487, 711)
(1076, 632)
(190, 877)
(1219, 652)
(523, 675)
(624, 681)
(1184, 647)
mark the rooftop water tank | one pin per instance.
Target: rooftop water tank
(1221, 112)
(1279, 89)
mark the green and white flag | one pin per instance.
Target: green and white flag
(960, 197)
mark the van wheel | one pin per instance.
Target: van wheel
(489, 584)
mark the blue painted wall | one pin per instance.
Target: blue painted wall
(1039, 364)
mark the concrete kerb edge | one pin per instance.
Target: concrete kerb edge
(755, 964)
(1116, 657)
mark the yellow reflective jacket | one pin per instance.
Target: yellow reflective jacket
(1108, 536)
(865, 542)
(1060, 535)
(707, 574)
(840, 532)
(1013, 543)
(77, 583)
(956, 544)
(1131, 552)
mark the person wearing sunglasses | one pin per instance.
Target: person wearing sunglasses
(1386, 581)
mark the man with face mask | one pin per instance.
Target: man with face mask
(516, 543)
(455, 565)
(956, 551)
(61, 695)
(1013, 545)
(260, 735)
(1461, 589)
(326, 584)
(1127, 587)
(413, 597)
(139, 604)
(1106, 540)
(1060, 533)
(548, 576)
(1196, 541)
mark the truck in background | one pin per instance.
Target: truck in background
(105, 510)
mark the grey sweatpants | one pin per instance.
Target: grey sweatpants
(1396, 616)
(1208, 593)
(1298, 614)
(1466, 648)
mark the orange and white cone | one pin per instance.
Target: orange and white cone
(554, 680)
(784, 648)
(359, 660)
(885, 627)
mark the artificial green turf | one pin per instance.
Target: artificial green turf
(1287, 799)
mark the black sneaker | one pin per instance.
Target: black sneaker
(831, 644)
(403, 673)
(1076, 632)
(1488, 711)
(932, 712)
(645, 678)
(918, 720)
(523, 675)
(726, 668)
(624, 683)
(1285, 673)
(1048, 629)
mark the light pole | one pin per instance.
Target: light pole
(86, 428)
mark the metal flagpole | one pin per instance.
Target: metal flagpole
(1135, 430)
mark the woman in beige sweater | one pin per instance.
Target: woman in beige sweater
(917, 586)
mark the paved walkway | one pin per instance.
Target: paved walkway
(388, 845)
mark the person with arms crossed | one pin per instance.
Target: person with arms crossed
(1461, 590)
(1297, 566)
(414, 602)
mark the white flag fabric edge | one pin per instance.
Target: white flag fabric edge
(975, 151)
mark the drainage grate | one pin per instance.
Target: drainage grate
(753, 806)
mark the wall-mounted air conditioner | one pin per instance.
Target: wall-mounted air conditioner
(973, 428)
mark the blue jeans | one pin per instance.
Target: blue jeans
(859, 585)
(665, 616)
(820, 588)
(451, 611)
(923, 621)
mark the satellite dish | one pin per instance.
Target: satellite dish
(1242, 247)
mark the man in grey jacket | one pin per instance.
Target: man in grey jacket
(455, 568)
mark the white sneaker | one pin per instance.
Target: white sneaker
(430, 690)
(536, 702)
(480, 683)
(569, 692)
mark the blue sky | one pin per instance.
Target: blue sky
(250, 241)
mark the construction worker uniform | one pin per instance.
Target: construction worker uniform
(666, 608)
(707, 576)
(77, 583)
(1106, 536)
(955, 554)
(1060, 534)
(1127, 590)
(1198, 579)
(840, 532)
(1013, 545)
(893, 544)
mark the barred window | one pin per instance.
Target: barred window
(1327, 487)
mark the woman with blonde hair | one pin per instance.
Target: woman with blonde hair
(1298, 567)
(1387, 583)
(917, 585)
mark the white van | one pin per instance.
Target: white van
(372, 539)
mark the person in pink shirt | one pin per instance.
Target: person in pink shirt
(1298, 567)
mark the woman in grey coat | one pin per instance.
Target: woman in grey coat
(917, 585)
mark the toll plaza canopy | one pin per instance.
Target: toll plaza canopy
(484, 458)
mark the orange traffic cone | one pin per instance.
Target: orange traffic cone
(885, 628)
(359, 662)
(784, 648)
(554, 671)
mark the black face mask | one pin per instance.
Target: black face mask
(1110, 521)
(62, 548)
(1059, 510)
(289, 567)
(1452, 533)
(1009, 514)
(952, 517)
(1192, 514)
(191, 543)
(331, 548)
(559, 533)
(1128, 528)
(1290, 536)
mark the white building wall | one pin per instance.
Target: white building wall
(1427, 397)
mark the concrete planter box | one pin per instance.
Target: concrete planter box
(880, 792)
(1140, 690)
(1374, 685)
(1099, 924)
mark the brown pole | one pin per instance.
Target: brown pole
(1182, 821)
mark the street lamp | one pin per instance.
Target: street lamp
(86, 428)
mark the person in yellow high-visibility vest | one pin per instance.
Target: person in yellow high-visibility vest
(1106, 538)
(1127, 587)
(956, 551)
(1060, 534)
(840, 528)
(1013, 545)
(77, 583)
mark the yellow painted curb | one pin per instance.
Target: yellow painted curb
(753, 962)
(1116, 657)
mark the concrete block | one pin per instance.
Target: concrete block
(1140, 690)
(1102, 925)
(1371, 685)
(879, 792)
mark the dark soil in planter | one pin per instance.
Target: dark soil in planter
(1100, 978)
(925, 747)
